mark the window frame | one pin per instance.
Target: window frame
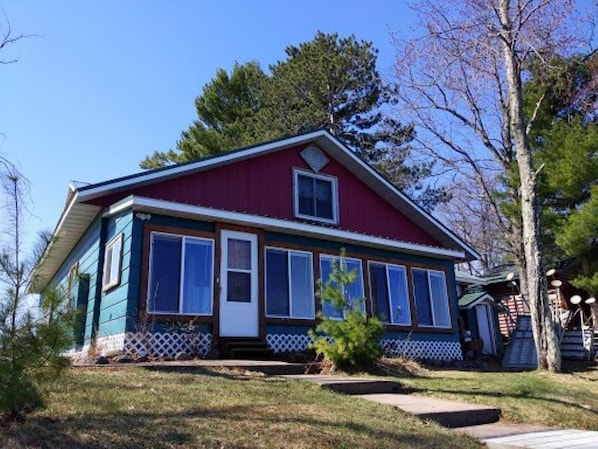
(111, 278)
(289, 252)
(409, 300)
(447, 305)
(334, 192)
(181, 279)
(334, 257)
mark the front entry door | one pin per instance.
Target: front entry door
(238, 285)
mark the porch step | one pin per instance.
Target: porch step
(245, 348)
(578, 346)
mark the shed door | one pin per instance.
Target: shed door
(238, 285)
(486, 328)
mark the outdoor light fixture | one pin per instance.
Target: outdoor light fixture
(556, 283)
(575, 299)
(550, 272)
(590, 300)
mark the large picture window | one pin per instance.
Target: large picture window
(181, 275)
(390, 295)
(315, 197)
(353, 292)
(431, 298)
(289, 284)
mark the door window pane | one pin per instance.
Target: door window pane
(238, 287)
(239, 254)
(165, 272)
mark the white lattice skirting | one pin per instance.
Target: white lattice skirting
(422, 350)
(104, 345)
(415, 349)
(288, 342)
(166, 344)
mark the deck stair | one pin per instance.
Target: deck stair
(578, 346)
(245, 348)
(521, 352)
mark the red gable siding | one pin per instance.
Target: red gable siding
(264, 186)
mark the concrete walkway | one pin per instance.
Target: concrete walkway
(477, 421)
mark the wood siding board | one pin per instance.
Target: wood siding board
(113, 307)
(264, 186)
(85, 253)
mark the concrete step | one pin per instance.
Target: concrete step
(446, 413)
(268, 367)
(351, 385)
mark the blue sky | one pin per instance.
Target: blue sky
(105, 83)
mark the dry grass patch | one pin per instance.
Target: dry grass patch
(565, 400)
(137, 408)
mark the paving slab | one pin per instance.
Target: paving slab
(501, 429)
(546, 439)
(450, 414)
(350, 384)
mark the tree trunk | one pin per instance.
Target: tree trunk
(547, 347)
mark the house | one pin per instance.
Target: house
(506, 319)
(479, 314)
(180, 258)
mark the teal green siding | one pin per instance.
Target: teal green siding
(86, 254)
(113, 305)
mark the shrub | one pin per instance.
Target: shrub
(31, 353)
(30, 344)
(353, 341)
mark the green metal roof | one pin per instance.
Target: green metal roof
(469, 299)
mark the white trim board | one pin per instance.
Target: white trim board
(151, 205)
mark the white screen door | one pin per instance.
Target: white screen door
(238, 285)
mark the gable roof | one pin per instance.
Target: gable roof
(470, 300)
(78, 213)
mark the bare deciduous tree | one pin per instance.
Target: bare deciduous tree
(473, 218)
(462, 85)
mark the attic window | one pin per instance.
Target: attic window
(314, 157)
(315, 197)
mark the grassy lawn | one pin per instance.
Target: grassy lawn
(132, 407)
(566, 400)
